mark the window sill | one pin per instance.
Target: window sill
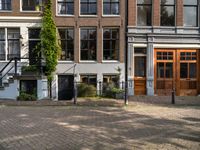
(110, 61)
(112, 16)
(88, 61)
(5, 11)
(65, 61)
(64, 15)
(92, 16)
(31, 11)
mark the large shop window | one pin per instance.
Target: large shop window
(34, 40)
(66, 37)
(111, 7)
(65, 7)
(88, 7)
(110, 44)
(13, 43)
(88, 44)
(144, 12)
(190, 13)
(31, 5)
(5, 5)
(167, 12)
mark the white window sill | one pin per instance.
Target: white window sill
(87, 61)
(5, 11)
(92, 16)
(110, 16)
(31, 11)
(64, 15)
(110, 61)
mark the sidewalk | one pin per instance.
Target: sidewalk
(157, 100)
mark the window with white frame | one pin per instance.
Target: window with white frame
(2, 44)
(65, 7)
(144, 12)
(167, 13)
(31, 5)
(88, 43)
(111, 44)
(5, 5)
(88, 7)
(13, 43)
(66, 37)
(89, 79)
(190, 13)
(111, 7)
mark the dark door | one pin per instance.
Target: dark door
(65, 87)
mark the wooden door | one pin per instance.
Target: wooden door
(164, 71)
(188, 72)
(140, 75)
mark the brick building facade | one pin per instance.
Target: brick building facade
(163, 47)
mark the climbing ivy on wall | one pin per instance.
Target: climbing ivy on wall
(49, 42)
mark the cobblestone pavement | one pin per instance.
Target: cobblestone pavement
(139, 126)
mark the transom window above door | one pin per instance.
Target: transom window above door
(31, 5)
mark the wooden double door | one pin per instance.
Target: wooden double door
(178, 70)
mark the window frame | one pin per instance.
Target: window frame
(64, 14)
(110, 43)
(144, 5)
(66, 40)
(88, 78)
(197, 13)
(119, 2)
(87, 28)
(88, 14)
(31, 11)
(7, 10)
(174, 9)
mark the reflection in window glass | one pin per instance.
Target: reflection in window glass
(190, 12)
(160, 70)
(66, 7)
(111, 7)
(167, 13)
(140, 66)
(193, 70)
(183, 70)
(169, 70)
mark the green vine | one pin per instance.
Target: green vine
(49, 42)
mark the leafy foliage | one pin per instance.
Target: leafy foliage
(26, 97)
(85, 90)
(50, 46)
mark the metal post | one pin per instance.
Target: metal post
(15, 66)
(75, 89)
(126, 58)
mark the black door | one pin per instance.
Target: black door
(65, 87)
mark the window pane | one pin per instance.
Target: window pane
(167, 2)
(31, 5)
(169, 70)
(190, 16)
(183, 70)
(5, 4)
(111, 7)
(193, 70)
(144, 1)
(160, 70)
(144, 15)
(140, 66)
(167, 16)
(190, 2)
(34, 33)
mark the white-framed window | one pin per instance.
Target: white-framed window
(66, 38)
(5, 5)
(31, 5)
(111, 7)
(65, 7)
(88, 7)
(190, 13)
(9, 43)
(88, 41)
(111, 44)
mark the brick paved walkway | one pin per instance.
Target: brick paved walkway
(139, 126)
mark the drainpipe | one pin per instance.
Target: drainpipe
(126, 53)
